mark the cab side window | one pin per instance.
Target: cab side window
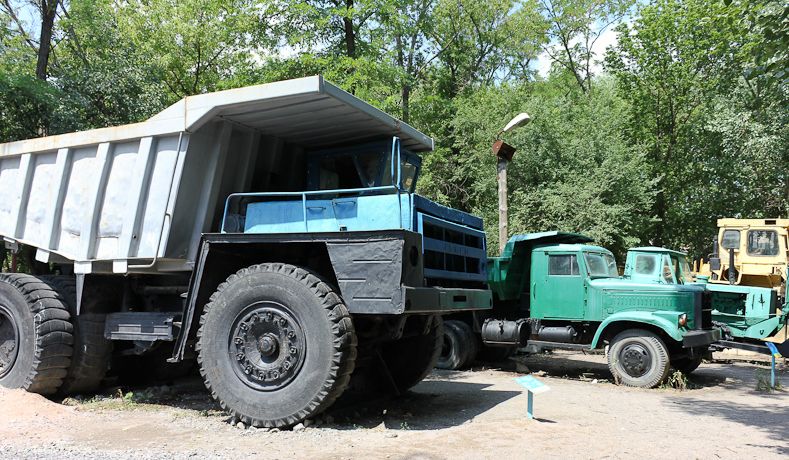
(668, 273)
(563, 264)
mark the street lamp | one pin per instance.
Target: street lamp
(504, 152)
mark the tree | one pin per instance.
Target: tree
(574, 28)
(668, 63)
(48, 11)
(194, 46)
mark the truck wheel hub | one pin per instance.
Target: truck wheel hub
(267, 346)
(635, 359)
(9, 340)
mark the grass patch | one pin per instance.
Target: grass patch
(148, 398)
(679, 381)
(763, 381)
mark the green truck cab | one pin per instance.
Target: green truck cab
(555, 290)
(747, 315)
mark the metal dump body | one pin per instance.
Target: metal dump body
(136, 198)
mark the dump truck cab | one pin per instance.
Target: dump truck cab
(556, 290)
(747, 315)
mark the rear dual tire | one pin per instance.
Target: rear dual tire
(36, 335)
(459, 346)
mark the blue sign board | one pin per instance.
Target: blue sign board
(532, 384)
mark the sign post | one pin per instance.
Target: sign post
(773, 355)
(533, 386)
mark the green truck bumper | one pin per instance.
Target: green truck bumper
(445, 300)
(698, 338)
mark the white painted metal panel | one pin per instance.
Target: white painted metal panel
(117, 200)
(9, 194)
(39, 200)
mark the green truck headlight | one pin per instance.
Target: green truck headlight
(682, 320)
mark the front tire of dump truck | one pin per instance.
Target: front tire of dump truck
(276, 345)
(638, 358)
(35, 335)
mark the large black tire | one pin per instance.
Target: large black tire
(35, 335)
(92, 352)
(638, 358)
(685, 364)
(276, 345)
(409, 360)
(459, 347)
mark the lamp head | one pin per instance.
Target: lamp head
(520, 120)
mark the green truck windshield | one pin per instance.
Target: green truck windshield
(601, 265)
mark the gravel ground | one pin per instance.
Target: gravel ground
(472, 414)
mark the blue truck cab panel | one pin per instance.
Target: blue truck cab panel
(366, 188)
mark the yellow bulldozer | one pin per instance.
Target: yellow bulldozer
(750, 252)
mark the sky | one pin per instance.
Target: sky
(608, 38)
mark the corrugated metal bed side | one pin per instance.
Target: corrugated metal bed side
(135, 197)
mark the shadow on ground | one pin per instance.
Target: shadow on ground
(769, 417)
(433, 404)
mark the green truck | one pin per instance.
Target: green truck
(555, 290)
(747, 315)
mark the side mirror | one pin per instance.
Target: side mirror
(715, 263)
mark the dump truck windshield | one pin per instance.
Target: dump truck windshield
(601, 265)
(364, 166)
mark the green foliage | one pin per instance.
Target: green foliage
(27, 106)
(715, 141)
(575, 169)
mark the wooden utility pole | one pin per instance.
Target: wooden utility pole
(504, 153)
(501, 168)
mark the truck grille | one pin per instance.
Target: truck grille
(454, 255)
(703, 310)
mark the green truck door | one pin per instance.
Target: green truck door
(559, 288)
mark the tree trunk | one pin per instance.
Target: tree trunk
(350, 33)
(406, 94)
(48, 10)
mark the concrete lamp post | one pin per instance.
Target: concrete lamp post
(504, 152)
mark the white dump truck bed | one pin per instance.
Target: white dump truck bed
(136, 198)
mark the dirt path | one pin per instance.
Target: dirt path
(471, 414)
